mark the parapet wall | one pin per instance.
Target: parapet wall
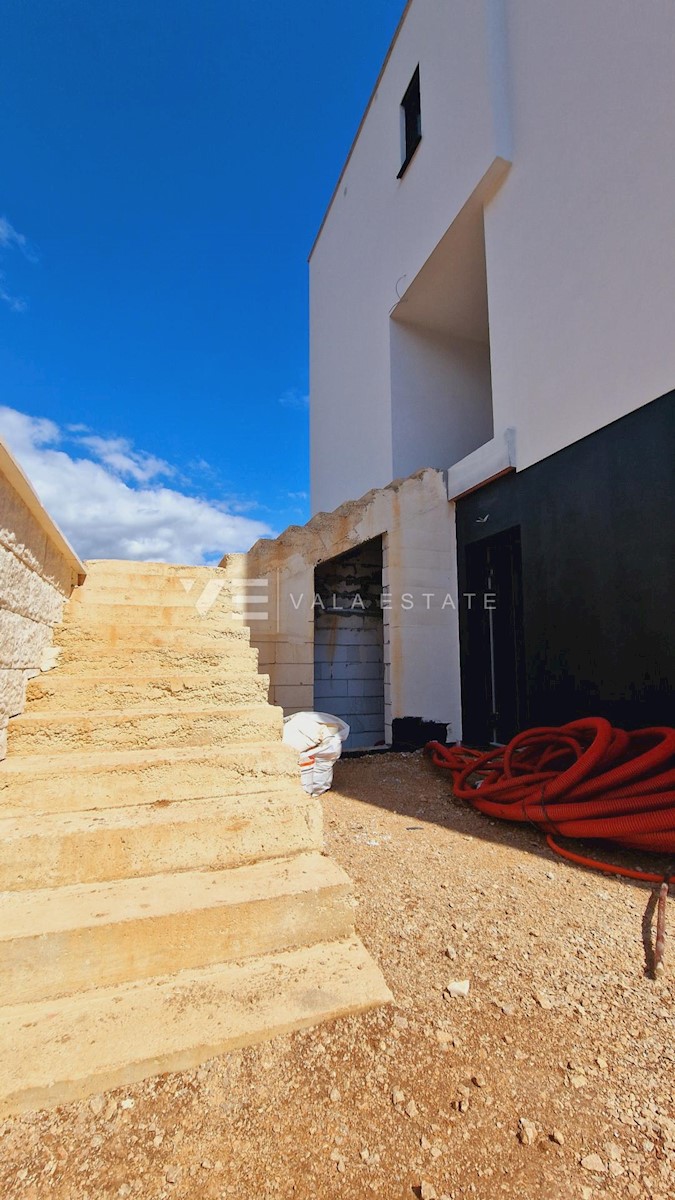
(38, 570)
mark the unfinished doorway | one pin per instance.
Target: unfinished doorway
(349, 642)
(492, 654)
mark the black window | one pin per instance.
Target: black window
(411, 121)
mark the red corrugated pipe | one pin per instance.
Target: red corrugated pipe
(581, 780)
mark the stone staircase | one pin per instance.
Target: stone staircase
(164, 891)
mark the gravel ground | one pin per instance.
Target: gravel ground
(552, 1078)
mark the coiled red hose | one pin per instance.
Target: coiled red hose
(581, 780)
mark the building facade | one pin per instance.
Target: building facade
(493, 297)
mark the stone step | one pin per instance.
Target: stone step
(199, 597)
(61, 689)
(63, 732)
(55, 1053)
(87, 616)
(161, 576)
(86, 641)
(119, 568)
(55, 849)
(80, 782)
(59, 941)
(227, 654)
(164, 894)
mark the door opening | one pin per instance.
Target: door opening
(349, 642)
(492, 658)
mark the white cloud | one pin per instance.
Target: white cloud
(120, 456)
(82, 481)
(11, 239)
(15, 302)
(294, 398)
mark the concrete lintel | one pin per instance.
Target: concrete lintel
(495, 458)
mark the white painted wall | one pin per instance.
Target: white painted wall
(581, 238)
(381, 230)
(579, 233)
(441, 398)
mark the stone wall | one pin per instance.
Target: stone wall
(38, 570)
(420, 625)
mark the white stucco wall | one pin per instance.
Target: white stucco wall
(380, 230)
(579, 232)
(581, 238)
(441, 399)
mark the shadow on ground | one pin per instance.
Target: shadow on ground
(385, 780)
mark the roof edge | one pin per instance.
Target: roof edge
(360, 126)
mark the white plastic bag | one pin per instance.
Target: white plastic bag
(318, 737)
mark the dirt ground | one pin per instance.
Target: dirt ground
(553, 1078)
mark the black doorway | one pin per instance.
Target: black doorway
(492, 658)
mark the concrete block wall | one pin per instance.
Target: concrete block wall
(349, 674)
(348, 642)
(420, 627)
(38, 570)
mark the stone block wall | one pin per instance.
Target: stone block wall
(38, 570)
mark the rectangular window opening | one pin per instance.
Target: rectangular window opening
(411, 121)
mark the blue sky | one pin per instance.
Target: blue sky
(166, 164)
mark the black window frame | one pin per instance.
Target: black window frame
(411, 118)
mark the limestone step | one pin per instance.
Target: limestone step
(228, 654)
(126, 568)
(79, 782)
(55, 849)
(89, 640)
(144, 728)
(164, 576)
(55, 1053)
(85, 616)
(164, 894)
(169, 592)
(59, 941)
(163, 691)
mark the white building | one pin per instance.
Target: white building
(493, 296)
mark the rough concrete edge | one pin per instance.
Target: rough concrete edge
(296, 536)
